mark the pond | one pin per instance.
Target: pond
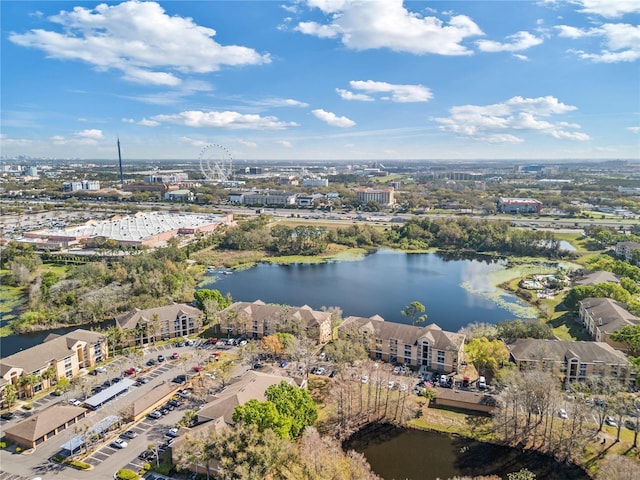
(454, 291)
(399, 453)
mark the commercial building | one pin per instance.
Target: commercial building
(63, 355)
(382, 196)
(571, 361)
(267, 198)
(518, 205)
(428, 346)
(149, 229)
(258, 319)
(82, 185)
(182, 195)
(170, 321)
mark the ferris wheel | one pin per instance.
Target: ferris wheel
(216, 163)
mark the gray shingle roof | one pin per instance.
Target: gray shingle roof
(54, 348)
(609, 314)
(407, 334)
(560, 350)
(596, 277)
(44, 422)
(168, 313)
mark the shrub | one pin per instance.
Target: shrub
(79, 465)
(18, 449)
(27, 406)
(126, 474)
(147, 466)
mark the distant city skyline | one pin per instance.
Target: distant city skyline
(366, 80)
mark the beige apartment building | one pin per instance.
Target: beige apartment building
(66, 355)
(429, 346)
(571, 361)
(170, 321)
(603, 316)
(258, 319)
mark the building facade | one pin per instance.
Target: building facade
(382, 196)
(603, 316)
(429, 346)
(571, 361)
(625, 250)
(518, 205)
(59, 356)
(170, 321)
(258, 319)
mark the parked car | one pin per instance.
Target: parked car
(160, 358)
(212, 340)
(7, 415)
(482, 383)
(155, 415)
(101, 370)
(56, 393)
(147, 455)
(151, 363)
(75, 402)
(258, 365)
(332, 374)
(173, 432)
(364, 379)
(562, 413)
(142, 380)
(321, 371)
(197, 368)
(119, 443)
(175, 356)
(130, 371)
(283, 364)
(130, 434)
(184, 393)
(610, 421)
(180, 379)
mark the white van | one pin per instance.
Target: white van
(482, 383)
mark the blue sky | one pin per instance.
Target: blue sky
(322, 79)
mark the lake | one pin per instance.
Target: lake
(455, 292)
(399, 453)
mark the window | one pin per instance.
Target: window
(441, 357)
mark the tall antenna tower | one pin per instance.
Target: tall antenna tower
(120, 161)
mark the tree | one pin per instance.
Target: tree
(203, 294)
(272, 345)
(9, 396)
(487, 354)
(263, 415)
(629, 335)
(415, 311)
(294, 403)
(522, 474)
(28, 382)
(343, 351)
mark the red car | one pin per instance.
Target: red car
(175, 356)
(212, 340)
(197, 368)
(130, 371)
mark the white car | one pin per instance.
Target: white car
(320, 371)
(404, 387)
(173, 432)
(562, 413)
(391, 384)
(365, 379)
(75, 403)
(101, 370)
(119, 443)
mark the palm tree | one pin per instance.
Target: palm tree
(28, 382)
(9, 396)
(49, 374)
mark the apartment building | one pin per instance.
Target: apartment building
(625, 250)
(382, 196)
(571, 361)
(258, 319)
(603, 316)
(428, 346)
(170, 321)
(63, 355)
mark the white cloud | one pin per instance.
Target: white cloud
(621, 41)
(348, 95)
(372, 24)
(519, 56)
(145, 122)
(83, 137)
(399, 93)
(13, 142)
(609, 8)
(515, 43)
(634, 129)
(278, 102)
(140, 40)
(332, 119)
(226, 119)
(193, 142)
(500, 123)
(284, 143)
(92, 134)
(248, 143)
(128, 120)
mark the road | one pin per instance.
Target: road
(107, 460)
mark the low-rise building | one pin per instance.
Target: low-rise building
(382, 196)
(625, 250)
(518, 205)
(603, 316)
(572, 361)
(594, 278)
(43, 425)
(428, 346)
(258, 319)
(182, 195)
(59, 355)
(170, 321)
